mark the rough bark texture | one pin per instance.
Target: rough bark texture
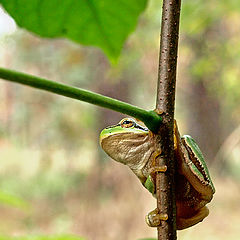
(165, 104)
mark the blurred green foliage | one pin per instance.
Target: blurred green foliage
(215, 24)
(64, 237)
(12, 201)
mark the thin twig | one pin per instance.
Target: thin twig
(150, 118)
(165, 104)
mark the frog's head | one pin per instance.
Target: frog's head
(126, 142)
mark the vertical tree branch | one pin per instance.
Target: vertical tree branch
(165, 104)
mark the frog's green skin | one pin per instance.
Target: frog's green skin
(134, 145)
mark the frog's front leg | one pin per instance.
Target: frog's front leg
(155, 169)
(200, 214)
(154, 218)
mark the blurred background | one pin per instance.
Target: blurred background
(54, 178)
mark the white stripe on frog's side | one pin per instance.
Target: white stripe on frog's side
(198, 160)
(197, 174)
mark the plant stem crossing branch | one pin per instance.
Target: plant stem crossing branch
(150, 118)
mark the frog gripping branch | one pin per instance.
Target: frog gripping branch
(134, 145)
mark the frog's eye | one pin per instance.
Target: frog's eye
(127, 124)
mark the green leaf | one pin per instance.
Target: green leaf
(102, 23)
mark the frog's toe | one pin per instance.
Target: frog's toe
(154, 170)
(154, 218)
(183, 223)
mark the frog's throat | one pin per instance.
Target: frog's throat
(133, 150)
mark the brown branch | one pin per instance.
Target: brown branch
(165, 104)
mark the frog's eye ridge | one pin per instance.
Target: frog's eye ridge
(140, 127)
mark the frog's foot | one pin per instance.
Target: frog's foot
(154, 218)
(153, 170)
(151, 180)
(156, 154)
(149, 183)
(183, 223)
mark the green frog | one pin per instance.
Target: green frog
(132, 144)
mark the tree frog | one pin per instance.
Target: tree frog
(132, 144)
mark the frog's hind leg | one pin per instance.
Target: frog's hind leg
(183, 223)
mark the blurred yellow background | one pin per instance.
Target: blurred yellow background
(54, 178)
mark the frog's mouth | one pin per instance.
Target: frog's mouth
(136, 126)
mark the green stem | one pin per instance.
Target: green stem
(150, 118)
